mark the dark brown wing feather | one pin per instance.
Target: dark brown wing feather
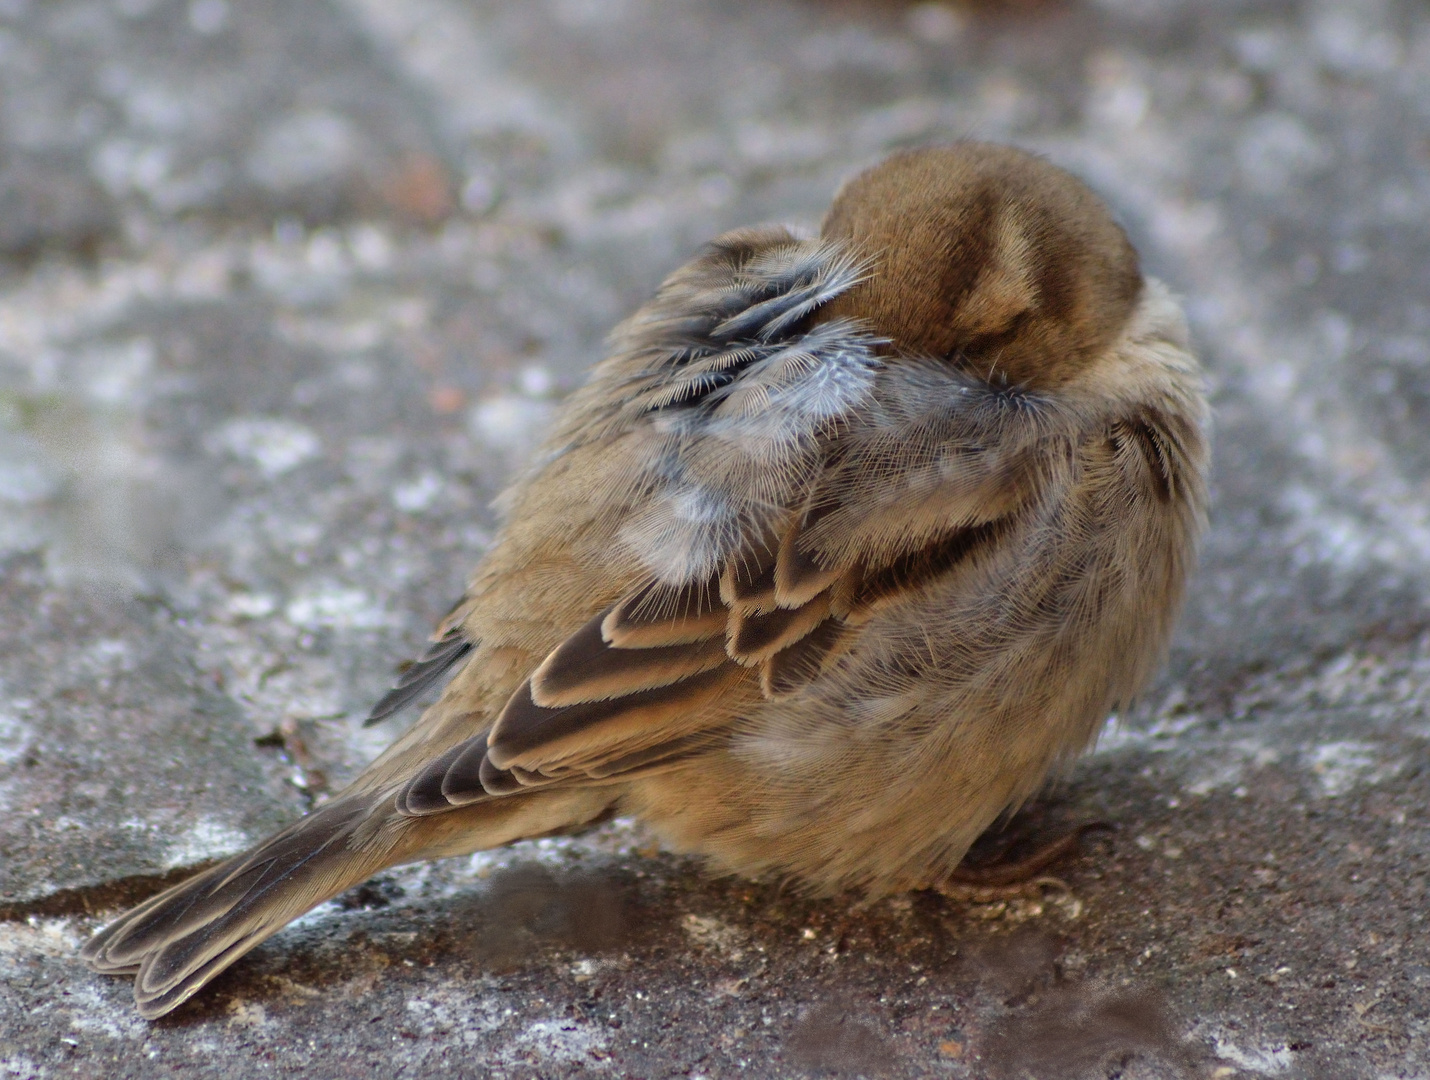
(424, 673)
(587, 667)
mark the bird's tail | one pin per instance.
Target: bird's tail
(175, 942)
(178, 941)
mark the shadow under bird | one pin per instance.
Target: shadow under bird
(848, 542)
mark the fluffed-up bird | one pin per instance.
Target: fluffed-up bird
(846, 544)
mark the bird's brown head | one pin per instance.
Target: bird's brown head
(988, 257)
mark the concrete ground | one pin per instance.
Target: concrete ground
(288, 289)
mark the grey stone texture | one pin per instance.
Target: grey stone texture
(287, 290)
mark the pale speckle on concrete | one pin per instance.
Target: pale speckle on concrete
(335, 606)
(275, 446)
(1261, 1061)
(1343, 765)
(205, 840)
(417, 495)
(511, 423)
(708, 932)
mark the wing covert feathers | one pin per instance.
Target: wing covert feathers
(647, 682)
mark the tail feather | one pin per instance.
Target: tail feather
(178, 941)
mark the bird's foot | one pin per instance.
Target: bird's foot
(1015, 879)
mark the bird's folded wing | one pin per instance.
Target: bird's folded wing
(665, 672)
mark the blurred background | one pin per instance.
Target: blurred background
(288, 290)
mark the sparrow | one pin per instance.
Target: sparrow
(846, 545)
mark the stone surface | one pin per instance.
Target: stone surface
(288, 290)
